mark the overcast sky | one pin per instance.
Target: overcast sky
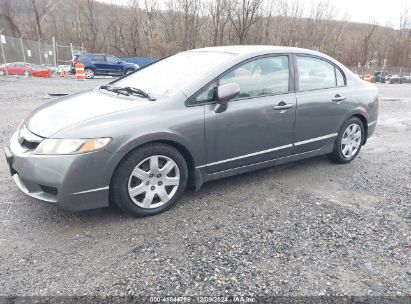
(385, 12)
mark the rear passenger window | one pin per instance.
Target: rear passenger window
(260, 77)
(317, 74)
(81, 57)
(98, 58)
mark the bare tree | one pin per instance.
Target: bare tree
(8, 25)
(219, 13)
(243, 14)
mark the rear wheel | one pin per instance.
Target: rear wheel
(349, 141)
(26, 73)
(89, 73)
(150, 180)
(2, 73)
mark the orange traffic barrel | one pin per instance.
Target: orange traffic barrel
(367, 77)
(80, 75)
(63, 73)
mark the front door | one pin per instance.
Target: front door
(114, 65)
(257, 125)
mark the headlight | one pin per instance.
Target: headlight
(71, 146)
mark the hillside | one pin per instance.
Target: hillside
(146, 28)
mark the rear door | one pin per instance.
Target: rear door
(257, 125)
(11, 69)
(322, 99)
(99, 63)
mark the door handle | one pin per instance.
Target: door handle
(283, 106)
(338, 98)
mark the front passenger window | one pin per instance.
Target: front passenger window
(260, 77)
(207, 94)
(112, 60)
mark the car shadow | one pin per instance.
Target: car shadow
(222, 187)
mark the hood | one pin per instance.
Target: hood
(74, 109)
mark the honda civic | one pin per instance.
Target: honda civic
(197, 116)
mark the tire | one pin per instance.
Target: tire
(89, 73)
(137, 174)
(26, 73)
(128, 71)
(2, 73)
(349, 141)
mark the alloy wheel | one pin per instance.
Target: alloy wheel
(351, 140)
(154, 181)
(89, 73)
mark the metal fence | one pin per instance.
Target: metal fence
(42, 52)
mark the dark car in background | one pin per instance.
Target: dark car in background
(395, 79)
(380, 76)
(102, 64)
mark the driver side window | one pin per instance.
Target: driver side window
(112, 59)
(260, 77)
(207, 94)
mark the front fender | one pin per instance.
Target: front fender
(157, 137)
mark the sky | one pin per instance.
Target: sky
(384, 12)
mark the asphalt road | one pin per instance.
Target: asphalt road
(307, 228)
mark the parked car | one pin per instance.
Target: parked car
(379, 76)
(395, 79)
(406, 79)
(197, 116)
(16, 68)
(102, 64)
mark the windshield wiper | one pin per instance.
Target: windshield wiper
(117, 90)
(140, 92)
(127, 91)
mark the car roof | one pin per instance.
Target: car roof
(256, 49)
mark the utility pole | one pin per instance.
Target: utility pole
(54, 52)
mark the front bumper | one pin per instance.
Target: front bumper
(74, 182)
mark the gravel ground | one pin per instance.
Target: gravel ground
(307, 228)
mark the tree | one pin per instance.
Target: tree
(243, 14)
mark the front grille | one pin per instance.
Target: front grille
(30, 144)
(49, 190)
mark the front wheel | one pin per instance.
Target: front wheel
(2, 73)
(150, 180)
(128, 71)
(26, 73)
(349, 141)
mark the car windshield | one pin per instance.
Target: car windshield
(173, 73)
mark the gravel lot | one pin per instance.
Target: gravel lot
(307, 228)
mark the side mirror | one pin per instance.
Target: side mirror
(227, 91)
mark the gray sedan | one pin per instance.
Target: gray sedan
(197, 116)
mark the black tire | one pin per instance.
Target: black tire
(119, 185)
(26, 73)
(89, 73)
(337, 155)
(2, 73)
(128, 71)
